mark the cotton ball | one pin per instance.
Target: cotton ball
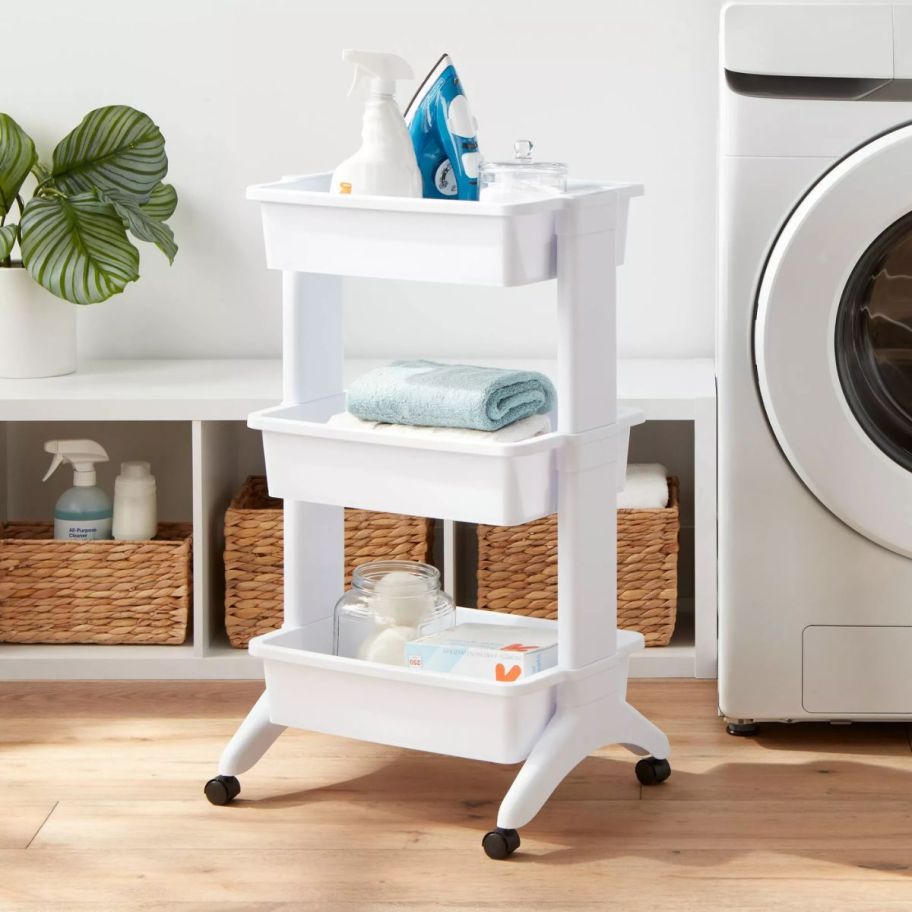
(387, 646)
(402, 596)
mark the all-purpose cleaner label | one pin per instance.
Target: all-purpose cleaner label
(82, 529)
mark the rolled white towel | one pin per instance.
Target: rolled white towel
(512, 433)
(646, 487)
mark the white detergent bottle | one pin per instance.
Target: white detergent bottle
(385, 165)
(135, 512)
(83, 512)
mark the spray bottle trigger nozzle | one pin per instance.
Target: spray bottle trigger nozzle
(55, 464)
(81, 454)
(382, 69)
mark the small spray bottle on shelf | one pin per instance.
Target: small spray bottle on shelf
(385, 165)
(83, 512)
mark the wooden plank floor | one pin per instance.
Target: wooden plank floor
(101, 810)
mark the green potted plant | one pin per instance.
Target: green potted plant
(68, 244)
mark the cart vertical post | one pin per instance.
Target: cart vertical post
(587, 401)
(312, 359)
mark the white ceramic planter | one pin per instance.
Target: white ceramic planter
(37, 329)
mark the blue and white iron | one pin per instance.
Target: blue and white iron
(443, 133)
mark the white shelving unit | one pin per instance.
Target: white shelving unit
(553, 719)
(214, 398)
(205, 401)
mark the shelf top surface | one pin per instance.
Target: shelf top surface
(228, 390)
(146, 390)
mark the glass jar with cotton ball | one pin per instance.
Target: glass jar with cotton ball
(390, 603)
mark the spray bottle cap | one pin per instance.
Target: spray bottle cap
(383, 70)
(81, 454)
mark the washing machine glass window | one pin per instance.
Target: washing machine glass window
(874, 341)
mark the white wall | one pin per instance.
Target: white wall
(246, 91)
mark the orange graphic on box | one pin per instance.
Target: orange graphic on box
(501, 673)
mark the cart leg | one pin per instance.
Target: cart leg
(572, 734)
(253, 738)
(640, 736)
(555, 754)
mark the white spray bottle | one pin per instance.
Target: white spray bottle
(385, 165)
(84, 511)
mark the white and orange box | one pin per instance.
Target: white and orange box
(487, 651)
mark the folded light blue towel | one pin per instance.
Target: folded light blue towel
(450, 395)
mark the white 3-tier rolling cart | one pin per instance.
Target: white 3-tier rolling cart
(551, 720)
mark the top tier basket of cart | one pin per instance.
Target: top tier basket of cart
(308, 229)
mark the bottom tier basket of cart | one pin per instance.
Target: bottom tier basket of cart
(401, 706)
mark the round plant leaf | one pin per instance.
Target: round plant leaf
(161, 203)
(41, 171)
(141, 225)
(17, 155)
(77, 248)
(7, 240)
(114, 148)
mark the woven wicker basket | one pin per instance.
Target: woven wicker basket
(254, 555)
(517, 569)
(108, 592)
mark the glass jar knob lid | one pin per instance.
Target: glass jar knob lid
(522, 150)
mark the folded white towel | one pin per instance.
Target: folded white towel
(512, 433)
(646, 487)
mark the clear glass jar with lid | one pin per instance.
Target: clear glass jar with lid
(390, 603)
(520, 179)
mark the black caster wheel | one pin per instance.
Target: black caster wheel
(651, 771)
(500, 843)
(742, 729)
(222, 789)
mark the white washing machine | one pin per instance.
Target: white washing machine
(814, 355)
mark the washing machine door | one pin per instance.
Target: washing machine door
(833, 340)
